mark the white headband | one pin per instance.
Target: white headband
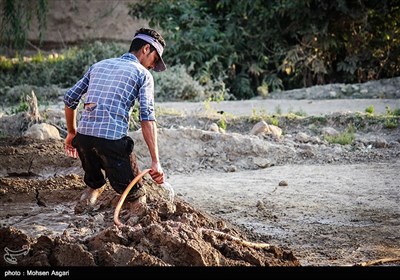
(159, 48)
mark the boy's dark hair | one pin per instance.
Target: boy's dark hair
(138, 43)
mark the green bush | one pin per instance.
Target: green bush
(175, 84)
(279, 44)
(370, 109)
(391, 118)
(12, 95)
(345, 138)
(62, 69)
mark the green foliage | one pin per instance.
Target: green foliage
(55, 69)
(257, 116)
(391, 122)
(222, 122)
(391, 118)
(233, 49)
(65, 69)
(22, 107)
(345, 138)
(279, 44)
(319, 119)
(176, 84)
(274, 121)
(263, 91)
(370, 109)
(11, 96)
(17, 19)
(300, 113)
(389, 111)
(292, 116)
(134, 119)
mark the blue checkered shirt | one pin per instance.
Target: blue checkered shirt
(112, 85)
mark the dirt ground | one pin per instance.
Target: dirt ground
(38, 217)
(336, 215)
(240, 199)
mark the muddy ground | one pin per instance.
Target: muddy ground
(154, 232)
(240, 199)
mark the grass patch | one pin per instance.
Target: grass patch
(345, 138)
(257, 116)
(391, 118)
(370, 109)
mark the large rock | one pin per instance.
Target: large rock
(263, 128)
(43, 131)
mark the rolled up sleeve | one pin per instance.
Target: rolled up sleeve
(74, 94)
(146, 99)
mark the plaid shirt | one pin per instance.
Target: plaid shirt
(112, 85)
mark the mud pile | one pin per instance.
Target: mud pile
(154, 232)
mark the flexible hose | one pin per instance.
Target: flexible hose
(124, 194)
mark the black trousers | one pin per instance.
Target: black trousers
(112, 156)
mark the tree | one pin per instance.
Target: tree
(279, 44)
(16, 21)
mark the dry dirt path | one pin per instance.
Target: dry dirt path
(271, 106)
(329, 215)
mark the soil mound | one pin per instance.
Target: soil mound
(154, 232)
